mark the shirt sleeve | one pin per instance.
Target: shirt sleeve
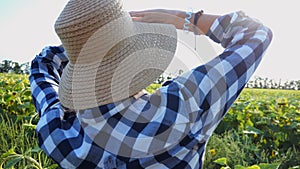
(45, 71)
(59, 132)
(57, 136)
(209, 90)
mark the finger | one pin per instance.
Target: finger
(144, 12)
(137, 19)
(136, 14)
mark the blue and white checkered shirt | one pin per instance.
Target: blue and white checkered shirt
(167, 129)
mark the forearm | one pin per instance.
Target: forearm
(174, 17)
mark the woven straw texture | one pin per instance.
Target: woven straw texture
(111, 57)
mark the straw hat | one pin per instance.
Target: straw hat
(111, 58)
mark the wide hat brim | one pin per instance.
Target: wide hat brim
(117, 61)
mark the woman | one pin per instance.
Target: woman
(167, 129)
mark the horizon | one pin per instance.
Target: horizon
(26, 28)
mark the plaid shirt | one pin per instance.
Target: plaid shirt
(167, 129)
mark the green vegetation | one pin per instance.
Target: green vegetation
(15, 96)
(260, 131)
(18, 143)
(18, 146)
(262, 126)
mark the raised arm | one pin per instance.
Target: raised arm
(56, 136)
(210, 89)
(45, 71)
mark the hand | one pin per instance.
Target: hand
(164, 16)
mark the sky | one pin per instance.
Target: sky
(26, 26)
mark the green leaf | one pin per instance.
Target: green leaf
(36, 149)
(239, 167)
(33, 150)
(221, 161)
(249, 123)
(9, 153)
(225, 167)
(12, 162)
(253, 167)
(27, 93)
(53, 166)
(269, 166)
(252, 130)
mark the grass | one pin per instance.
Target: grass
(262, 126)
(19, 147)
(239, 149)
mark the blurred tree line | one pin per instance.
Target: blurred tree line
(257, 82)
(266, 83)
(8, 66)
